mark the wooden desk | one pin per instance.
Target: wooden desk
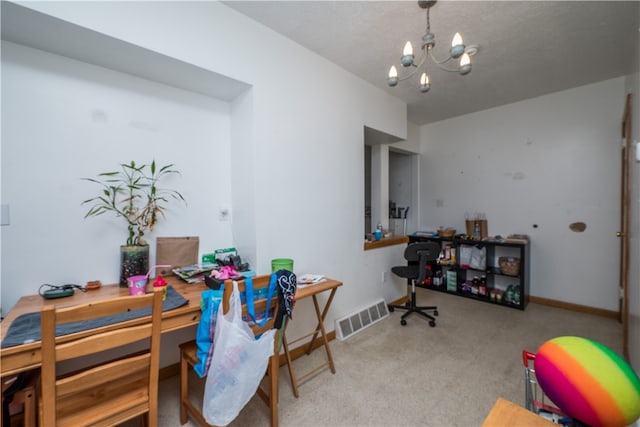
(27, 356)
(507, 414)
(313, 291)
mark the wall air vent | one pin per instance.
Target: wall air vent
(353, 323)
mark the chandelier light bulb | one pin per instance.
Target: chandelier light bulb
(424, 83)
(465, 64)
(457, 39)
(392, 80)
(408, 49)
(407, 55)
(457, 46)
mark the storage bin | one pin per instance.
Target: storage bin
(509, 266)
(281, 264)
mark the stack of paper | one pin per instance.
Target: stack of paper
(194, 273)
(309, 279)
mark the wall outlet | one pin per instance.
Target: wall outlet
(384, 276)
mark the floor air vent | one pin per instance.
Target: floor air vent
(356, 322)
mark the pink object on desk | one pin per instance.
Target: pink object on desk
(137, 284)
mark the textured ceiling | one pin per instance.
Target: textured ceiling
(526, 48)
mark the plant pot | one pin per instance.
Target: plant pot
(134, 261)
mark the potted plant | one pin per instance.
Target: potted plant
(133, 193)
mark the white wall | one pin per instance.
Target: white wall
(293, 146)
(550, 161)
(633, 87)
(64, 120)
(405, 173)
(401, 177)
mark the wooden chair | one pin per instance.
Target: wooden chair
(111, 392)
(19, 406)
(188, 356)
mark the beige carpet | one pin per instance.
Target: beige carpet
(415, 375)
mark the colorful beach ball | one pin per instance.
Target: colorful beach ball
(588, 382)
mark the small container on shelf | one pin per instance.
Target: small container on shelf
(482, 286)
(447, 233)
(438, 279)
(447, 255)
(452, 280)
(512, 295)
(467, 287)
(509, 266)
(475, 285)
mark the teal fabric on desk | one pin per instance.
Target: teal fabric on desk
(26, 328)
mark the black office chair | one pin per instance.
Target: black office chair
(418, 255)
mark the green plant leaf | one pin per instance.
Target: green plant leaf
(133, 194)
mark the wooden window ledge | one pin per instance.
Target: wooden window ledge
(387, 241)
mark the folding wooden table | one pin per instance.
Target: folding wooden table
(313, 291)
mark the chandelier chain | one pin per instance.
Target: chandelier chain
(428, 22)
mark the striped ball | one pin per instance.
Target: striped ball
(588, 382)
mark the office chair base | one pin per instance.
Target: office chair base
(411, 307)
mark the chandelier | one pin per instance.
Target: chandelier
(458, 50)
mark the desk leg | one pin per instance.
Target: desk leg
(320, 328)
(292, 375)
(320, 317)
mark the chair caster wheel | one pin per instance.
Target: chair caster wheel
(403, 322)
(435, 313)
(432, 324)
(391, 309)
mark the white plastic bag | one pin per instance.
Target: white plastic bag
(465, 255)
(239, 362)
(478, 258)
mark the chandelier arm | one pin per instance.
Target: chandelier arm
(408, 76)
(425, 53)
(440, 63)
